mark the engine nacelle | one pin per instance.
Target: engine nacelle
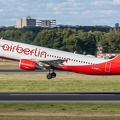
(27, 64)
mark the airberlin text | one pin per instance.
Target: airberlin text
(27, 51)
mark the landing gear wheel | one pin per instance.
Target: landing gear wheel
(53, 75)
(49, 76)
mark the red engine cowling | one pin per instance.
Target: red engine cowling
(27, 64)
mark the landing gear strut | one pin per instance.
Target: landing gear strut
(51, 74)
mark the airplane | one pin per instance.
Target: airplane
(33, 57)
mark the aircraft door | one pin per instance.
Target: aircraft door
(107, 66)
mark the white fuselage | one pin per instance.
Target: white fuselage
(17, 51)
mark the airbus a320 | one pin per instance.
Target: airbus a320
(33, 57)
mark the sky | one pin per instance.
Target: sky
(66, 12)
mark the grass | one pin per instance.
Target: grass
(8, 64)
(37, 82)
(26, 111)
(60, 118)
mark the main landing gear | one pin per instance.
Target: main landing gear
(51, 75)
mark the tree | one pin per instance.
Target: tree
(27, 37)
(87, 43)
(111, 42)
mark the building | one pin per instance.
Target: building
(116, 25)
(45, 23)
(27, 22)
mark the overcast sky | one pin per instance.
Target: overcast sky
(70, 12)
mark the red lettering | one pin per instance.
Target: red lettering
(43, 53)
(32, 52)
(35, 52)
(27, 51)
(39, 53)
(5, 47)
(10, 48)
(13, 48)
(19, 49)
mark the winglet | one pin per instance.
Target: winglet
(66, 60)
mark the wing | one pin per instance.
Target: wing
(54, 63)
(45, 63)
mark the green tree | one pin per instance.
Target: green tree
(87, 43)
(111, 42)
(27, 37)
(45, 38)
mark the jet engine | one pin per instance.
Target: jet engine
(28, 64)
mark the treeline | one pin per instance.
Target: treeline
(82, 41)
